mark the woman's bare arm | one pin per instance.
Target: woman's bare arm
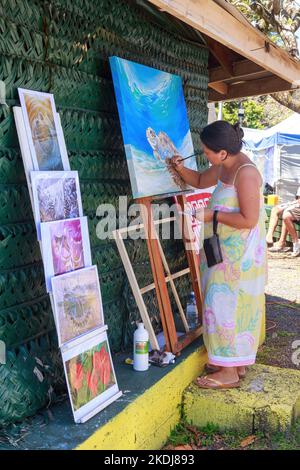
(248, 192)
(198, 180)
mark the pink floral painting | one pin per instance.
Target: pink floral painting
(66, 246)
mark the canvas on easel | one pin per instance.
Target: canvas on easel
(154, 126)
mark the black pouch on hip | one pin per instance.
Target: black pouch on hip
(212, 246)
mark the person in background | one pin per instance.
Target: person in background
(290, 213)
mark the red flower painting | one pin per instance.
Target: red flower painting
(90, 374)
(92, 382)
(102, 367)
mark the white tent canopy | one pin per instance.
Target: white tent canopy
(290, 125)
(276, 152)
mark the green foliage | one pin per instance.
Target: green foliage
(253, 117)
(260, 112)
(179, 435)
(278, 19)
(211, 437)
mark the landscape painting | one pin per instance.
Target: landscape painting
(77, 303)
(43, 130)
(56, 196)
(90, 374)
(65, 247)
(154, 125)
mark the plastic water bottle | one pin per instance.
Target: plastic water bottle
(141, 348)
(191, 311)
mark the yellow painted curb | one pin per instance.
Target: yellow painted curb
(147, 421)
(145, 424)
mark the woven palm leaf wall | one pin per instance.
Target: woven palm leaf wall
(63, 47)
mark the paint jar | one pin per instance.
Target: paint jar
(141, 348)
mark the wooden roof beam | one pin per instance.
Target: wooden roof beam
(262, 86)
(240, 70)
(220, 87)
(214, 21)
(220, 54)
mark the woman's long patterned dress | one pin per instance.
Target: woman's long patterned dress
(233, 291)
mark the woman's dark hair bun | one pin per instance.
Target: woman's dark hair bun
(238, 130)
(221, 135)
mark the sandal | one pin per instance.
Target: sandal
(211, 369)
(278, 249)
(215, 384)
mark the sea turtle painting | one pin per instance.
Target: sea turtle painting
(155, 127)
(164, 150)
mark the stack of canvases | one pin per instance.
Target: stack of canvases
(71, 280)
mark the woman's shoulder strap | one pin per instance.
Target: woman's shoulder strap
(240, 167)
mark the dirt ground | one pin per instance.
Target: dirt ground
(283, 311)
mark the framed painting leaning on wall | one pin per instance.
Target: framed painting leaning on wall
(43, 130)
(91, 380)
(65, 247)
(77, 303)
(56, 196)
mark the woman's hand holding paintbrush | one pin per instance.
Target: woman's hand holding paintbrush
(177, 160)
(189, 176)
(190, 156)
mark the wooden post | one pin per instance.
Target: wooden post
(172, 342)
(158, 274)
(188, 236)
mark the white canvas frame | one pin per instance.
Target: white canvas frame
(55, 284)
(137, 291)
(47, 251)
(100, 402)
(24, 146)
(60, 136)
(36, 176)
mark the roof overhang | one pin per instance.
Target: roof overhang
(243, 61)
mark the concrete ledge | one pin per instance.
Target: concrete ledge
(269, 400)
(141, 419)
(147, 421)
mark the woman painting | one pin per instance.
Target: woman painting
(233, 290)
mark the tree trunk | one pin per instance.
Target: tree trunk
(289, 99)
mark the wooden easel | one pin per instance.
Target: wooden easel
(173, 343)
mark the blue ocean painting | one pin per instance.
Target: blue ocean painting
(154, 125)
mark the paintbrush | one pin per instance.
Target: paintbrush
(190, 156)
